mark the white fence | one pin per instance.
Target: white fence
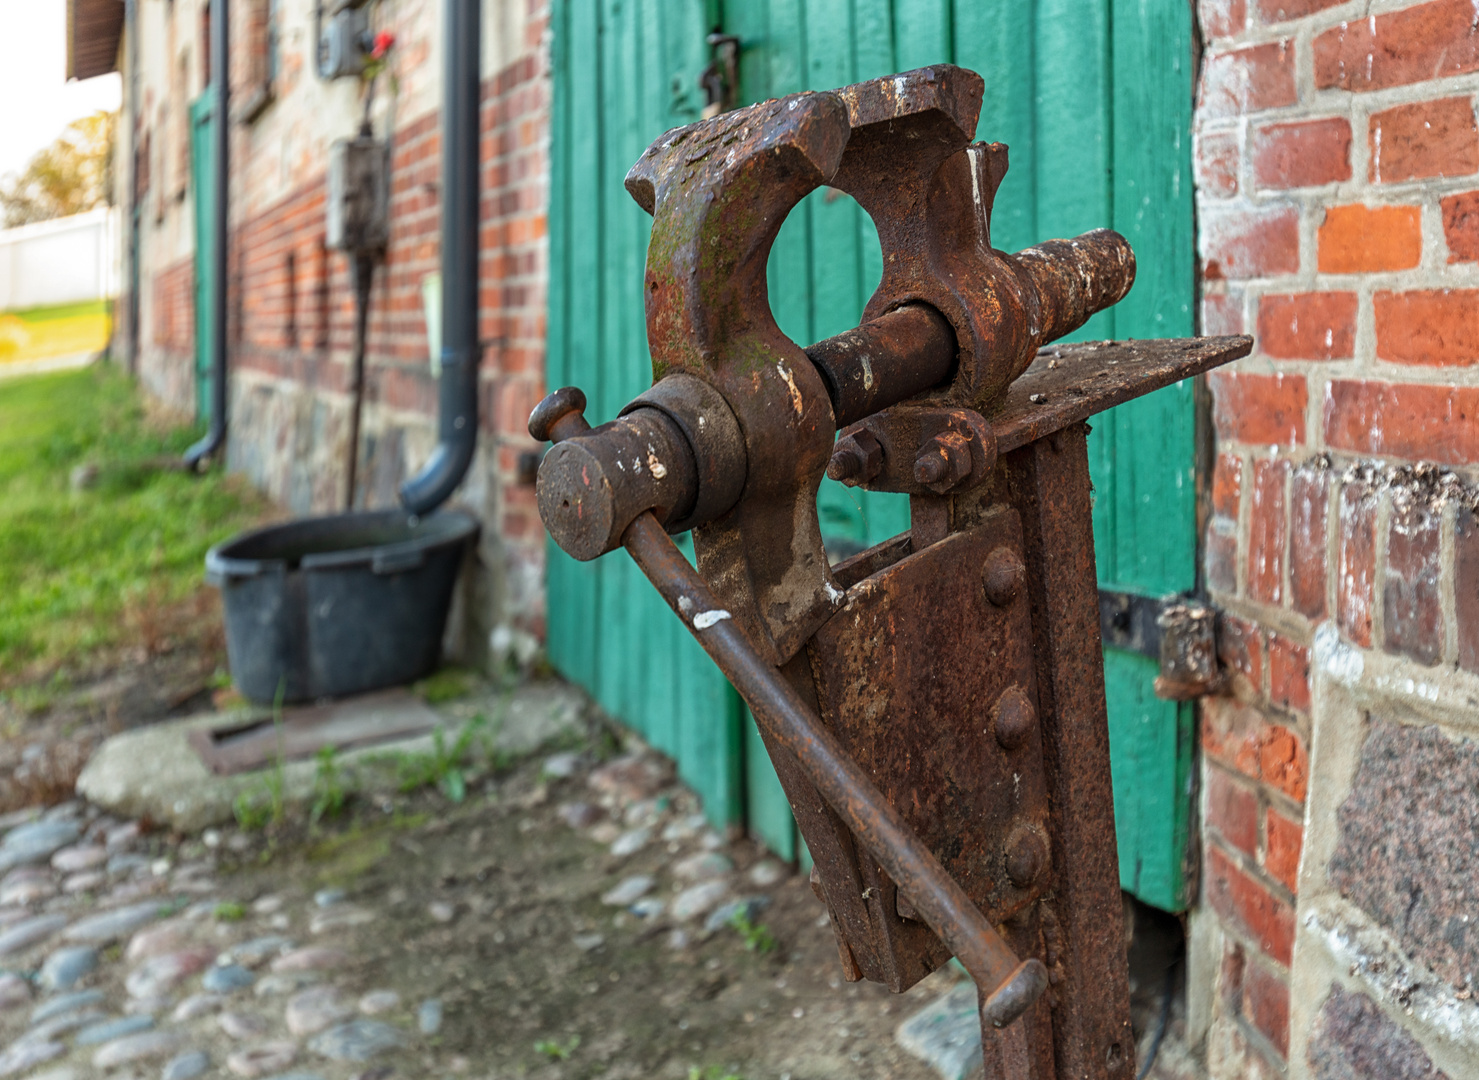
(60, 262)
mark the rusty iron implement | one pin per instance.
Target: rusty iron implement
(934, 706)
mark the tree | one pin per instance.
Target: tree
(70, 176)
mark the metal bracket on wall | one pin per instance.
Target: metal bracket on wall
(1179, 632)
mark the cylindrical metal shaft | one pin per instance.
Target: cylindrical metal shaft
(1076, 278)
(885, 361)
(938, 897)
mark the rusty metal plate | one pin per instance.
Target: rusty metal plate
(1068, 383)
(926, 677)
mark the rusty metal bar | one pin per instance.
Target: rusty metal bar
(1011, 987)
(885, 361)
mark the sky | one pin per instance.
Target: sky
(36, 101)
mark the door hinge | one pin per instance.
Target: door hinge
(720, 80)
(1179, 632)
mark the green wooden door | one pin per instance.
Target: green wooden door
(1094, 99)
(202, 192)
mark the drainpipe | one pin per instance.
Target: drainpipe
(131, 28)
(221, 134)
(458, 389)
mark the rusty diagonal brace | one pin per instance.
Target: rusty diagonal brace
(938, 898)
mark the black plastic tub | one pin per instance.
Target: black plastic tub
(339, 605)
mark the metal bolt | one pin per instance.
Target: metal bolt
(1027, 856)
(1002, 576)
(856, 458)
(943, 462)
(930, 467)
(1014, 718)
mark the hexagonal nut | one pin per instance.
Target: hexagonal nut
(944, 462)
(856, 458)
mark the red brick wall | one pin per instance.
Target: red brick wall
(174, 308)
(293, 325)
(1337, 161)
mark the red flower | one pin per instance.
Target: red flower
(383, 41)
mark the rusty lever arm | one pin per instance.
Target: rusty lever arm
(1011, 986)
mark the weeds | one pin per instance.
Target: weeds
(267, 805)
(445, 685)
(757, 936)
(444, 767)
(331, 789)
(229, 911)
(557, 1051)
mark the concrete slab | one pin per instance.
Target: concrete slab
(154, 773)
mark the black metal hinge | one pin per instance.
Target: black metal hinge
(1178, 632)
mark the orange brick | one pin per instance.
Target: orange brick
(1435, 327)
(1425, 139)
(1284, 842)
(1242, 738)
(1308, 326)
(1288, 673)
(1260, 409)
(1250, 907)
(1366, 239)
(1461, 226)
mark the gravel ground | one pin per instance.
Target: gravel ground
(566, 919)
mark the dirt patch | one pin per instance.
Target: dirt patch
(494, 908)
(53, 720)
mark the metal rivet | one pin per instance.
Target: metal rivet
(1002, 576)
(1014, 717)
(1027, 856)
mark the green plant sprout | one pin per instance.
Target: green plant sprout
(266, 805)
(555, 1050)
(331, 788)
(757, 936)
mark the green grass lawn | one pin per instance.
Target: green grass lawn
(83, 572)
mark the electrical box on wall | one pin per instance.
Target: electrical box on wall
(359, 195)
(343, 42)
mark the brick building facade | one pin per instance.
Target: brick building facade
(1337, 167)
(1336, 159)
(290, 298)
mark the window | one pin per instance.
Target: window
(180, 106)
(261, 28)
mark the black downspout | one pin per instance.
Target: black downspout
(131, 28)
(458, 391)
(364, 273)
(221, 133)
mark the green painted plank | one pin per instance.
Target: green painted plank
(768, 813)
(616, 616)
(922, 33)
(1073, 127)
(1153, 500)
(1150, 756)
(1142, 454)
(998, 41)
(574, 588)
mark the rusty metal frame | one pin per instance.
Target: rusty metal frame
(947, 392)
